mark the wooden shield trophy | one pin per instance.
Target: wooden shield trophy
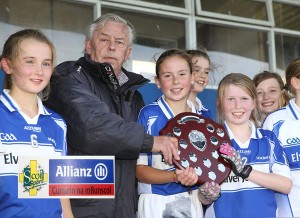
(199, 141)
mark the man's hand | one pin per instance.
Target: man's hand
(167, 146)
(230, 154)
(209, 192)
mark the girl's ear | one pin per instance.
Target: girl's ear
(295, 82)
(157, 82)
(5, 65)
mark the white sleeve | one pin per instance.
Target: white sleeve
(268, 123)
(143, 159)
(282, 170)
(279, 163)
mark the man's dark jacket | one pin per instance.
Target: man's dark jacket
(101, 120)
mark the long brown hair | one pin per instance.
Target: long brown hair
(171, 53)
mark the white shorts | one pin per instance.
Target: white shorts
(182, 205)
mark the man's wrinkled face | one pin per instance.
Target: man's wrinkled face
(110, 44)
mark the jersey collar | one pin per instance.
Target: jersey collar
(168, 111)
(11, 105)
(255, 134)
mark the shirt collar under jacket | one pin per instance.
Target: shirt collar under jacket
(167, 110)
(122, 78)
(11, 105)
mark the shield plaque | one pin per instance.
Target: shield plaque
(199, 140)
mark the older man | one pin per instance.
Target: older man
(99, 100)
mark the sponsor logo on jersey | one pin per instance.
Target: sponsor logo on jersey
(7, 137)
(33, 178)
(295, 157)
(246, 152)
(9, 158)
(52, 141)
(233, 178)
(263, 157)
(291, 141)
(33, 128)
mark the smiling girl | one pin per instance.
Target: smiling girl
(285, 123)
(27, 127)
(259, 164)
(201, 68)
(164, 191)
(271, 93)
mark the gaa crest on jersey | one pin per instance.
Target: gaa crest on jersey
(33, 178)
(7, 137)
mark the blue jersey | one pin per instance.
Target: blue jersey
(164, 200)
(285, 123)
(202, 110)
(154, 117)
(43, 135)
(242, 198)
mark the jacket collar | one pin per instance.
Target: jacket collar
(105, 73)
(133, 78)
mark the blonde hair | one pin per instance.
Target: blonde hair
(242, 81)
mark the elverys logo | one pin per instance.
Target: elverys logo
(33, 178)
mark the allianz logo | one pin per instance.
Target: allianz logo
(7, 137)
(291, 141)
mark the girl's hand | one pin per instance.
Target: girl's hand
(187, 177)
(209, 191)
(233, 157)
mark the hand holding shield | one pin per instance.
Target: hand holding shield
(199, 143)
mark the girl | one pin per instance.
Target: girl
(285, 123)
(201, 67)
(251, 191)
(163, 191)
(27, 127)
(271, 94)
